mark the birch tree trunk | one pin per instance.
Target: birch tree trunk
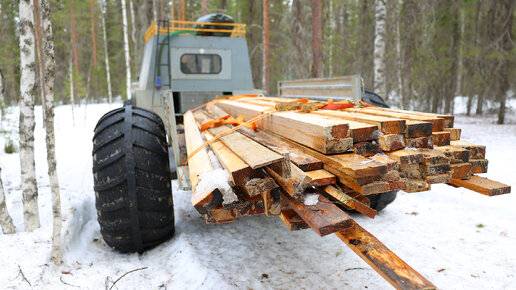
(27, 88)
(50, 71)
(5, 219)
(126, 52)
(379, 49)
(317, 38)
(106, 56)
(41, 74)
(266, 52)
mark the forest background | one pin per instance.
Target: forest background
(434, 50)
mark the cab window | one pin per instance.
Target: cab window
(201, 63)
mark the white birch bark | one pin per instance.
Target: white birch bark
(106, 56)
(5, 219)
(72, 97)
(27, 89)
(126, 51)
(379, 49)
(155, 13)
(50, 70)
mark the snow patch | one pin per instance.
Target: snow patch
(218, 179)
(311, 199)
(252, 180)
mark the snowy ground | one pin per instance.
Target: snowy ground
(456, 238)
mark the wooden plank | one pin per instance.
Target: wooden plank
(295, 184)
(482, 185)
(302, 160)
(478, 165)
(257, 186)
(366, 189)
(324, 217)
(475, 151)
(454, 133)
(326, 135)
(393, 269)
(461, 170)
(437, 123)
(416, 185)
(359, 131)
(456, 154)
(448, 119)
(391, 142)
(410, 171)
(321, 177)
(417, 129)
(239, 171)
(406, 156)
(433, 157)
(441, 178)
(367, 149)
(220, 215)
(272, 202)
(292, 220)
(441, 138)
(350, 164)
(420, 142)
(385, 125)
(348, 201)
(429, 170)
(254, 154)
(391, 163)
(199, 165)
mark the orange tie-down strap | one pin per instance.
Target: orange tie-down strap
(294, 105)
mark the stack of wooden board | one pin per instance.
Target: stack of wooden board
(309, 167)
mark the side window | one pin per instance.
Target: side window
(201, 64)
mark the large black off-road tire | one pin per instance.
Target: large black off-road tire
(132, 179)
(382, 200)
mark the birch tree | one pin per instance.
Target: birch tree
(27, 88)
(50, 70)
(379, 49)
(5, 219)
(106, 55)
(126, 52)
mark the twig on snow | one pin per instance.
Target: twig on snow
(61, 279)
(119, 278)
(358, 268)
(23, 275)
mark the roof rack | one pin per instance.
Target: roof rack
(236, 29)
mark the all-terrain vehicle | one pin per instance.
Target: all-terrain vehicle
(185, 64)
